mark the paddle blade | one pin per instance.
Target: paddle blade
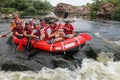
(2, 36)
(86, 36)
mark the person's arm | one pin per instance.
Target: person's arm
(32, 34)
(65, 28)
(50, 34)
(25, 32)
(16, 32)
(72, 29)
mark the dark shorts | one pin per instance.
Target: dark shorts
(51, 41)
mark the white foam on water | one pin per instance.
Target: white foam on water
(115, 42)
(90, 70)
(97, 34)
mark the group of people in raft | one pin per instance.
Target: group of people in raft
(50, 32)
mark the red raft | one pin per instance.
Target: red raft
(61, 46)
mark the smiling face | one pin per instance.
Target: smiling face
(36, 25)
(18, 24)
(16, 16)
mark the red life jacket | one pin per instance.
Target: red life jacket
(42, 24)
(29, 29)
(46, 34)
(57, 27)
(55, 24)
(20, 30)
(70, 27)
(38, 31)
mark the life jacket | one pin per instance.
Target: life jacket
(57, 27)
(55, 24)
(42, 24)
(38, 31)
(20, 30)
(29, 30)
(46, 34)
(12, 26)
(70, 27)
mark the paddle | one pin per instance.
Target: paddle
(64, 17)
(4, 35)
(28, 43)
(30, 48)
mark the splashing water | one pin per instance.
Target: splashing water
(90, 70)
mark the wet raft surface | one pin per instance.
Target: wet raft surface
(103, 34)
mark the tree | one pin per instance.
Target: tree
(25, 6)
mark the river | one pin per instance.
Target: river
(105, 43)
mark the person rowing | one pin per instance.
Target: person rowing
(42, 23)
(36, 32)
(18, 20)
(27, 29)
(49, 32)
(68, 29)
(18, 31)
(12, 26)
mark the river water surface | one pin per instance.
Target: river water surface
(105, 42)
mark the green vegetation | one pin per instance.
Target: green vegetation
(94, 9)
(26, 7)
(95, 6)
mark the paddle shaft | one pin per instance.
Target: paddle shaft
(4, 35)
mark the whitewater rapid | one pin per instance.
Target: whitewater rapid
(90, 70)
(104, 68)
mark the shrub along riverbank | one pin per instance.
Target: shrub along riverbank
(105, 9)
(109, 10)
(24, 7)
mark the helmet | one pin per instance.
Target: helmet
(27, 23)
(51, 21)
(41, 19)
(17, 23)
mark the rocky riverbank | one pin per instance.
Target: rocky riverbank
(105, 10)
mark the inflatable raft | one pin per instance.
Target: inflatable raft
(61, 46)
